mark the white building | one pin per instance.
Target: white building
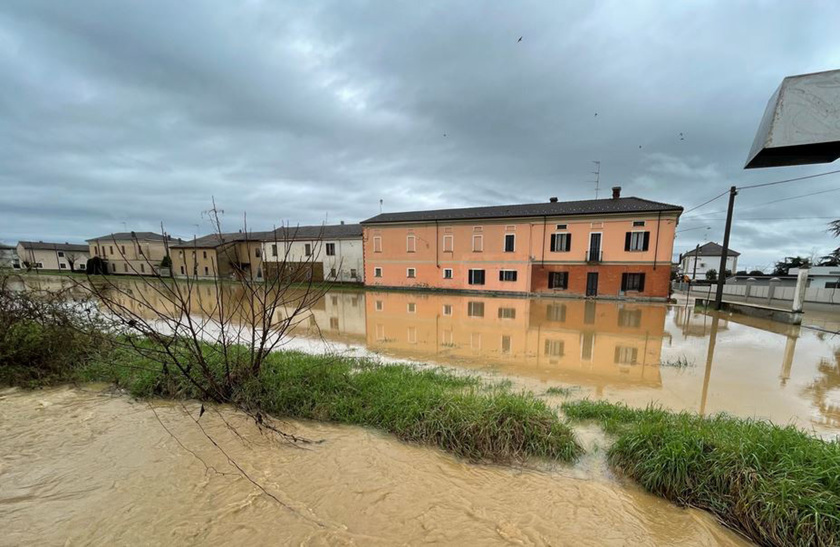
(821, 277)
(336, 248)
(706, 258)
(9, 257)
(38, 255)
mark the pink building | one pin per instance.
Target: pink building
(613, 247)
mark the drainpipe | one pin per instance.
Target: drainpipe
(542, 260)
(437, 254)
(656, 248)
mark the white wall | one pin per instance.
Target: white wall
(706, 263)
(348, 257)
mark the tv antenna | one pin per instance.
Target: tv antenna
(597, 173)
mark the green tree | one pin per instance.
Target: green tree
(832, 258)
(756, 272)
(782, 267)
(711, 275)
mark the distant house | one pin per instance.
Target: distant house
(40, 255)
(821, 277)
(219, 255)
(131, 253)
(9, 257)
(706, 258)
(335, 252)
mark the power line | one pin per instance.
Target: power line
(779, 200)
(768, 218)
(788, 180)
(706, 202)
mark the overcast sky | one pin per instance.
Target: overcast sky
(139, 112)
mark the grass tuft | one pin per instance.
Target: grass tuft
(778, 485)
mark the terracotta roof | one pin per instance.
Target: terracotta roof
(552, 209)
(710, 249)
(45, 246)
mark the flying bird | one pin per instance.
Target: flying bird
(520, 39)
(596, 114)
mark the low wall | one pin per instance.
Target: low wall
(775, 296)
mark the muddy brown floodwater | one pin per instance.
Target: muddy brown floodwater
(82, 466)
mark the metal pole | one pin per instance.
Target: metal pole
(724, 255)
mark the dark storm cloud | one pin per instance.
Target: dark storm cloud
(140, 112)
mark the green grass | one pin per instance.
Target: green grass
(562, 391)
(778, 485)
(461, 414)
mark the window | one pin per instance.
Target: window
(377, 244)
(379, 305)
(62, 266)
(507, 275)
(380, 332)
(626, 355)
(206, 271)
(39, 265)
(507, 313)
(448, 244)
(257, 252)
(182, 270)
(447, 309)
(332, 273)
(60, 254)
(561, 243)
(632, 282)
(448, 338)
(505, 343)
(558, 280)
(122, 248)
(125, 267)
(476, 277)
(307, 249)
(273, 249)
(629, 318)
(204, 253)
(411, 307)
(478, 243)
(555, 312)
(587, 344)
(330, 248)
(353, 273)
(447, 273)
(377, 272)
(475, 309)
(334, 300)
(833, 285)
(111, 249)
(143, 268)
(590, 312)
(636, 241)
(411, 272)
(96, 250)
(561, 226)
(638, 223)
(554, 348)
(334, 323)
(475, 340)
(510, 243)
(410, 243)
(478, 229)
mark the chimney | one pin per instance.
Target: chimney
(616, 192)
(552, 199)
(342, 222)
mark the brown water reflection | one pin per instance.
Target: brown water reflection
(84, 468)
(618, 351)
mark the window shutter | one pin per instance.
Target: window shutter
(624, 280)
(641, 282)
(568, 242)
(647, 241)
(501, 275)
(553, 242)
(627, 241)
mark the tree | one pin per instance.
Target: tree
(756, 272)
(782, 267)
(711, 275)
(71, 258)
(832, 258)
(741, 272)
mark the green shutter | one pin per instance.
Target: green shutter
(627, 241)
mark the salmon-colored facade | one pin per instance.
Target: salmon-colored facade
(621, 254)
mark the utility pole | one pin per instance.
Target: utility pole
(725, 254)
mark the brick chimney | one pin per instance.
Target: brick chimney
(552, 199)
(616, 192)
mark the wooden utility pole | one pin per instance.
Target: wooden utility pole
(725, 254)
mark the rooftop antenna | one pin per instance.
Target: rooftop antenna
(380, 206)
(597, 173)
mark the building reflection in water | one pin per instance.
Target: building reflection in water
(579, 341)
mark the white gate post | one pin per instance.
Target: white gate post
(799, 294)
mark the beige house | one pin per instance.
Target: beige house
(132, 253)
(40, 255)
(219, 255)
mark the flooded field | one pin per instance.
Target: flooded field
(79, 467)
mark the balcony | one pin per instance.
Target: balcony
(594, 256)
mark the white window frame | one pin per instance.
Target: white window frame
(589, 246)
(377, 271)
(411, 307)
(410, 243)
(378, 305)
(329, 247)
(504, 246)
(411, 273)
(377, 244)
(447, 309)
(509, 349)
(451, 240)
(556, 238)
(470, 274)
(640, 239)
(502, 272)
(451, 273)
(479, 248)
(639, 224)
(411, 335)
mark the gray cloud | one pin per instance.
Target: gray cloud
(140, 112)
